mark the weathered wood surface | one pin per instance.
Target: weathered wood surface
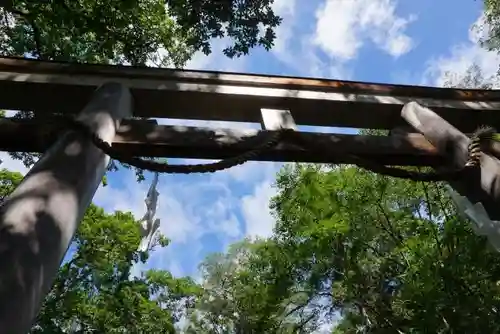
(276, 119)
(481, 185)
(51, 86)
(38, 220)
(147, 139)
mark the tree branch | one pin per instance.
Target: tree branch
(397, 238)
(429, 208)
(36, 31)
(300, 326)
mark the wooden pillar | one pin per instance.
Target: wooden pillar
(481, 184)
(38, 220)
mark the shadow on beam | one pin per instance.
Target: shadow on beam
(146, 139)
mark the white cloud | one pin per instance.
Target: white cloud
(229, 227)
(340, 29)
(10, 113)
(286, 9)
(255, 209)
(13, 165)
(344, 25)
(208, 124)
(461, 57)
(178, 222)
(294, 47)
(251, 172)
(217, 61)
(130, 198)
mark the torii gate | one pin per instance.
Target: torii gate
(38, 220)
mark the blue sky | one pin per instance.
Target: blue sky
(409, 42)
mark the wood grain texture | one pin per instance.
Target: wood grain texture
(38, 220)
(145, 138)
(480, 185)
(166, 93)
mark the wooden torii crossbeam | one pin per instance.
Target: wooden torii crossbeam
(147, 139)
(39, 219)
(48, 87)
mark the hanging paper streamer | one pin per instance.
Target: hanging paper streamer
(481, 222)
(148, 224)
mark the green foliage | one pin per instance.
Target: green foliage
(488, 31)
(240, 291)
(95, 288)
(360, 232)
(472, 78)
(238, 20)
(97, 32)
(491, 30)
(8, 182)
(104, 181)
(388, 255)
(134, 31)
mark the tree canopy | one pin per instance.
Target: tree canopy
(384, 255)
(134, 31)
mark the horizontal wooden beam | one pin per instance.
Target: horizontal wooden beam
(27, 66)
(165, 93)
(147, 139)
